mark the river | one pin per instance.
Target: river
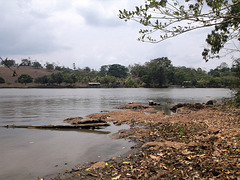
(28, 153)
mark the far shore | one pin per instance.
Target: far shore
(35, 86)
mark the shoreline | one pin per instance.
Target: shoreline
(110, 87)
(194, 143)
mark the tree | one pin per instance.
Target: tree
(130, 83)
(70, 78)
(85, 79)
(236, 69)
(138, 70)
(36, 65)
(49, 66)
(158, 71)
(87, 69)
(59, 68)
(2, 80)
(26, 62)
(42, 80)
(166, 19)
(25, 78)
(57, 78)
(117, 70)
(8, 62)
(103, 70)
(111, 79)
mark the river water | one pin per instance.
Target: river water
(28, 153)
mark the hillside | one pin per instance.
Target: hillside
(10, 80)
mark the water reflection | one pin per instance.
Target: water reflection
(31, 153)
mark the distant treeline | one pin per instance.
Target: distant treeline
(156, 73)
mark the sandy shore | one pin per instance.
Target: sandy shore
(198, 142)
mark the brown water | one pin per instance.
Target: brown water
(26, 153)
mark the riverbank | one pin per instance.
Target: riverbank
(192, 144)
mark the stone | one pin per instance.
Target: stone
(152, 103)
(211, 102)
(98, 165)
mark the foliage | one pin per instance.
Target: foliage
(59, 68)
(225, 30)
(157, 72)
(70, 78)
(42, 80)
(49, 66)
(117, 70)
(2, 80)
(26, 62)
(130, 83)
(36, 64)
(8, 62)
(166, 19)
(108, 80)
(25, 78)
(87, 69)
(138, 70)
(103, 70)
(236, 69)
(56, 78)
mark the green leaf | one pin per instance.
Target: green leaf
(176, 13)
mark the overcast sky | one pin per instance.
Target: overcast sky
(88, 33)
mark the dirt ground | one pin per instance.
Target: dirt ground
(195, 143)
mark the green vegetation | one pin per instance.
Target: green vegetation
(117, 70)
(25, 78)
(156, 73)
(161, 73)
(2, 80)
(26, 62)
(36, 65)
(236, 82)
(164, 19)
(8, 62)
(49, 66)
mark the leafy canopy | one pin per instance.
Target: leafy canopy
(165, 19)
(2, 80)
(25, 78)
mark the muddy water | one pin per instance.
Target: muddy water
(26, 153)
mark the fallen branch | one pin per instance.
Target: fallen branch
(83, 126)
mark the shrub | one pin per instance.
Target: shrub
(25, 78)
(2, 80)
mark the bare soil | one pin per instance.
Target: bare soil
(10, 80)
(192, 144)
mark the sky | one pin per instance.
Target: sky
(89, 33)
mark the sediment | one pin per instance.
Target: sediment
(195, 143)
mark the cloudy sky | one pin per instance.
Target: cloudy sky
(88, 33)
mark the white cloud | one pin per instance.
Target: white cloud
(88, 33)
(24, 32)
